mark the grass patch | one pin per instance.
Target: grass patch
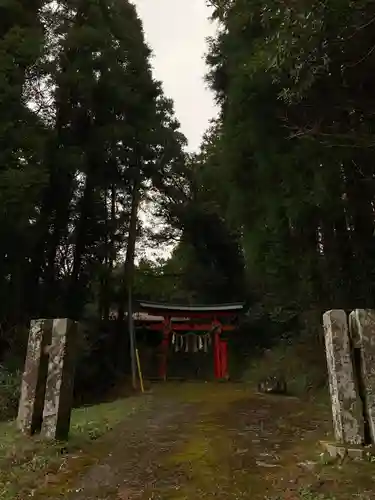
(27, 463)
(307, 494)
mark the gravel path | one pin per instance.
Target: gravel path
(195, 442)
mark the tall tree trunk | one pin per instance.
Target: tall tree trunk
(76, 289)
(128, 275)
(359, 199)
(127, 280)
(55, 208)
(103, 279)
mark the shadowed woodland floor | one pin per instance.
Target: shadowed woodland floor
(192, 441)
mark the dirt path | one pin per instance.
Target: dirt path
(208, 441)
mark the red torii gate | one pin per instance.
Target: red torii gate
(191, 315)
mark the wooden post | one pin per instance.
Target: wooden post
(164, 348)
(216, 357)
(216, 327)
(224, 359)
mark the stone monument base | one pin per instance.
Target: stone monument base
(353, 452)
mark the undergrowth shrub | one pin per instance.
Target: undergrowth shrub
(10, 388)
(301, 360)
(97, 367)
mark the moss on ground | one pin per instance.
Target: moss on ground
(193, 441)
(243, 445)
(29, 464)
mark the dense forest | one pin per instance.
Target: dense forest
(282, 191)
(276, 209)
(87, 135)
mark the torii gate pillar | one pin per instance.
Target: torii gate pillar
(220, 352)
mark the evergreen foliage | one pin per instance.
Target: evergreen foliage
(291, 154)
(84, 128)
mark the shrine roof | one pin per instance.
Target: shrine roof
(191, 308)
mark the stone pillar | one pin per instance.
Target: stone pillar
(346, 405)
(363, 332)
(60, 381)
(30, 411)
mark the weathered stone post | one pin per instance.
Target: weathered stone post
(362, 323)
(31, 403)
(60, 381)
(346, 404)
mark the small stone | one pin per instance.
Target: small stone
(264, 464)
(338, 450)
(334, 450)
(242, 452)
(308, 464)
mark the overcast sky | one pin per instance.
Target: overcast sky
(176, 31)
